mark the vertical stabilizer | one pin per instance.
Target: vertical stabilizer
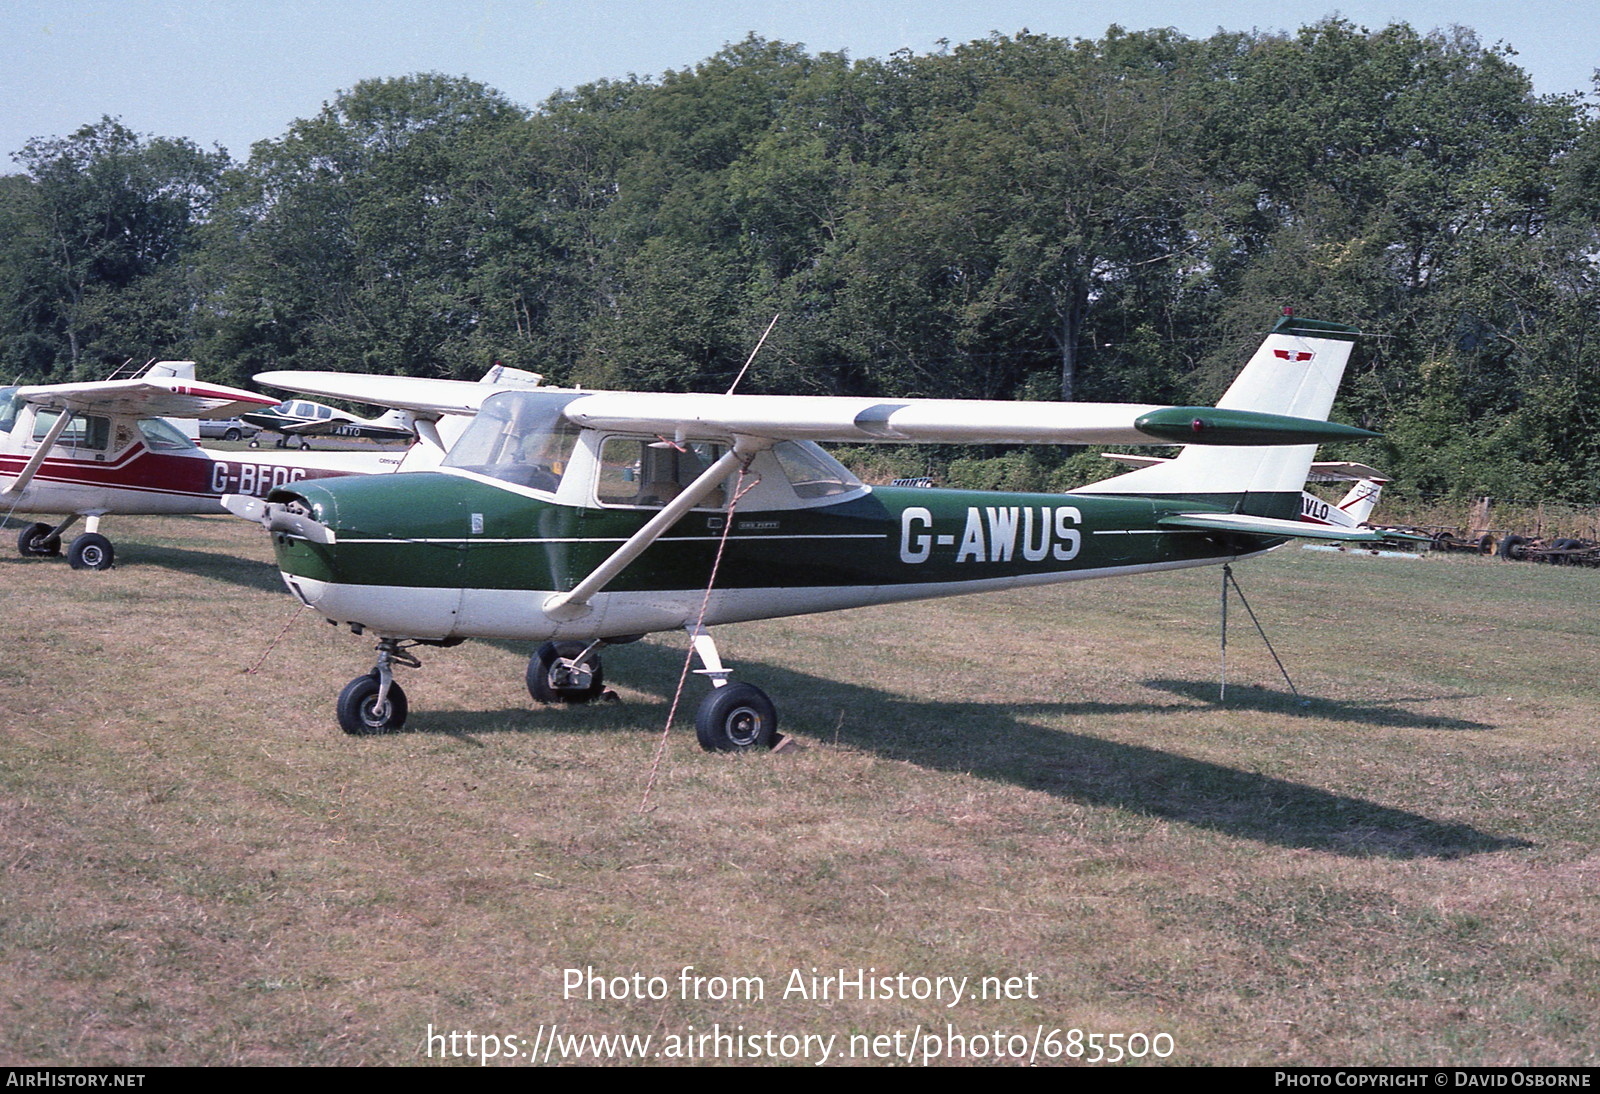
(1362, 499)
(1296, 372)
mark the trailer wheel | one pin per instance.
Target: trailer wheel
(1512, 549)
(1485, 544)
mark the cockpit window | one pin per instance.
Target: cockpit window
(812, 472)
(10, 407)
(651, 472)
(162, 436)
(520, 437)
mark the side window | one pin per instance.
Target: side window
(162, 436)
(635, 471)
(84, 431)
(812, 472)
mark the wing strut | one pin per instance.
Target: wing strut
(575, 603)
(31, 468)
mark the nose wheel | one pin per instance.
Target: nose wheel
(375, 703)
(362, 712)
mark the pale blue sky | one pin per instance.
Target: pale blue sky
(232, 72)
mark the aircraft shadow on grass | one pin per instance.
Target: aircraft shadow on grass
(215, 565)
(1270, 701)
(191, 561)
(995, 741)
(1000, 742)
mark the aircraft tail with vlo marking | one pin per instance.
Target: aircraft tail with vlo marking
(1296, 372)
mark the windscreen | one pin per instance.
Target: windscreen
(520, 437)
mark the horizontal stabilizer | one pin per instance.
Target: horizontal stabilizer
(1321, 471)
(1345, 471)
(1268, 526)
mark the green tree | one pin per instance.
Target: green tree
(101, 230)
(353, 241)
(1053, 196)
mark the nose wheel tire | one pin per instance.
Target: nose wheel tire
(736, 718)
(359, 714)
(35, 541)
(551, 680)
(91, 551)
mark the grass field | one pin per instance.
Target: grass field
(1040, 788)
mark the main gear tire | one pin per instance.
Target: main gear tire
(736, 718)
(91, 551)
(549, 681)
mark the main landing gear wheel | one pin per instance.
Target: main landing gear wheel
(91, 551)
(359, 712)
(553, 677)
(36, 541)
(736, 718)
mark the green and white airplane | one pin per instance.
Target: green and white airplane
(585, 519)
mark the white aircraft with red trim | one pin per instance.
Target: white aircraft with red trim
(87, 450)
(84, 451)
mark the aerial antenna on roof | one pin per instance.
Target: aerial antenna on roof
(753, 353)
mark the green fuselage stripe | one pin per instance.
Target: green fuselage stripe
(430, 530)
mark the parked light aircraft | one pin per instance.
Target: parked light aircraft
(83, 451)
(302, 419)
(585, 519)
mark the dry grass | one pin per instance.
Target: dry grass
(199, 868)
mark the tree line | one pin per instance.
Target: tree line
(1015, 217)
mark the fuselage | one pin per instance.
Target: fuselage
(454, 554)
(113, 464)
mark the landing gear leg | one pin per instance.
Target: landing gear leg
(734, 717)
(374, 703)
